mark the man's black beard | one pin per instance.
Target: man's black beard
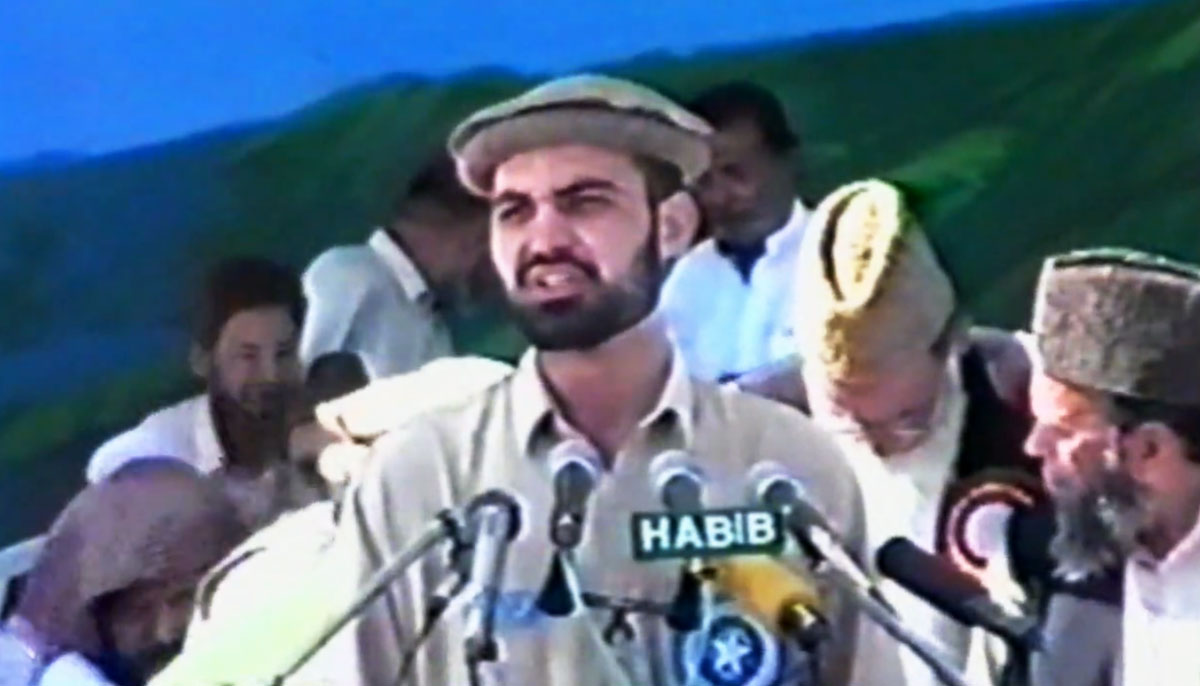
(618, 308)
(136, 670)
(1098, 525)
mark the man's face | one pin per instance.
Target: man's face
(573, 239)
(254, 362)
(743, 192)
(1102, 509)
(142, 628)
(893, 409)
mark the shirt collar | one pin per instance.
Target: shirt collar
(533, 408)
(793, 229)
(1184, 556)
(399, 264)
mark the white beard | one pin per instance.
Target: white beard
(901, 495)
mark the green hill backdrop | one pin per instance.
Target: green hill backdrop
(1026, 133)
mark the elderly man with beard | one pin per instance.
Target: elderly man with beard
(583, 177)
(923, 406)
(108, 599)
(1116, 398)
(244, 347)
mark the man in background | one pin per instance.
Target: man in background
(918, 402)
(244, 343)
(728, 302)
(108, 600)
(385, 300)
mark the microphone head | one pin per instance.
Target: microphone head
(575, 455)
(772, 485)
(678, 480)
(576, 468)
(496, 498)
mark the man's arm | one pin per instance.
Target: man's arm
(780, 381)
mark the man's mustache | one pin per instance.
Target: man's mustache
(551, 259)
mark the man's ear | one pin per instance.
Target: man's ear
(1152, 445)
(678, 221)
(200, 360)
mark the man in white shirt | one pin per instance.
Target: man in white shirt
(916, 401)
(384, 300)
(728, 301)
(247, 325)
(1116, 398)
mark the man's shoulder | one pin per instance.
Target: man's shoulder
(701, 256)
(443, 384)
(1005, 361)
(454, 413)
(345, 260)
(768, 419)
(167, 432)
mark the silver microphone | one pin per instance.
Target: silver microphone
(680, 485)
(576, 469)
(495, 520)
(678, 481)
(774, 487)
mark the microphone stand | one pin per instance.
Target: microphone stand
(445, 526)
(931, 654)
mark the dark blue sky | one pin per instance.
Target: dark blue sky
(103, 75)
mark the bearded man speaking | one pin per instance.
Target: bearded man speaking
(1116, 399)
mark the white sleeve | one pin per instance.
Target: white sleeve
(334, 292)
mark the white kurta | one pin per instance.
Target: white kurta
(1161, 624)
(184, 431)
(903, 495)
(371, 300)
(724, 325)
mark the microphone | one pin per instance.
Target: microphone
(774, 487)
(495, 518)
(956, 593)
(680, 487)
(576, 471)
(768, 590)
(678, 481)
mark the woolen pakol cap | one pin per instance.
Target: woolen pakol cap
(869, 286)
(1121, 321)
(584, 109)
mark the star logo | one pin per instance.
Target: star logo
(733, 653)
(729, 652)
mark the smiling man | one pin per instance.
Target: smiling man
(1116, 398)
(244, 347)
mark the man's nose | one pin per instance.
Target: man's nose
(268, 369)
(1035, 442)
(550, 229)
(171, 623)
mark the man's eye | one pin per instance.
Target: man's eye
(506, 213)
(586, 202)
